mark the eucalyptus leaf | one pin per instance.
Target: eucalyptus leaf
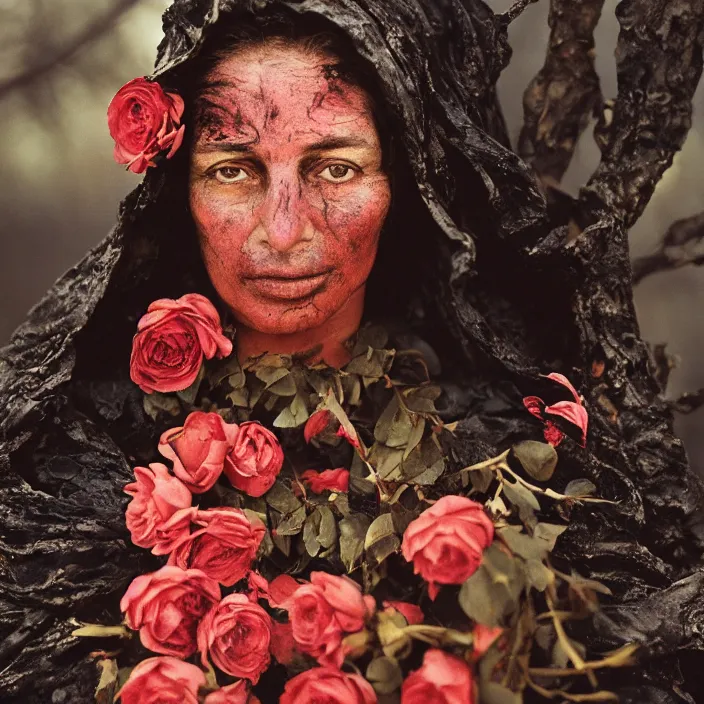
(188, 395)
(281, 498)
(537, 574)
(523, 499)
(539, 459)
(484, 600)
(384, 674)
(494, 693)
(381, 539)
(294, 415)
(353, 530)
(548, 533)
(381, 527)
(481, 479)
(311, 528)
(580, 487)
(526, 546)
(156, 403)
(292, 523)
(327, 533)
(422, 399)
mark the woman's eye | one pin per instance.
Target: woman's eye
(231, 174)
(337, 173)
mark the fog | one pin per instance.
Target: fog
(60, 189)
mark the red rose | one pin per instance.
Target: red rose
(198, 449)
(144, 120)
(170, 533)
(445, 543)
(330, 479)
(255, 459)
(237, 693)
(156, 496)
(412, 613)
(171, 341)
(441, 679)
(224, 547)
(236, 634)
(166, 606)
(322, 611)
(164, 680)
(315, 425)
(326, 684)
(483, 638)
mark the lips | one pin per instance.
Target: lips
(287, 286)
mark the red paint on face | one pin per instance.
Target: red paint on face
(287, 190)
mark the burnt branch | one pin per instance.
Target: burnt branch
(682, 244)
(689, 402)
(515, 11)
(559, 101)
(659, 63)
(92, 31)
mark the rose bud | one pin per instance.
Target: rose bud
(172, 339)
(255, 459)
(329, 479)
(321, 612)
(442, 679)
(144, 121)
(166, 607)
(162, 680)
(156, 496)
(329, 685)
(445, 543)
(198, 449)
(236, 634)
(224, 547)
(237, 693)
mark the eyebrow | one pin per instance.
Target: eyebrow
(322, 145)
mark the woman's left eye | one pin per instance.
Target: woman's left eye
(337, 173)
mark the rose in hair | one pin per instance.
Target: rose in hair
(255, 460)
(224, 546)
(441, 679)
(236, 635)
(166, 607)
(198, 449)
(325, 610)
(446, 542)
(156, 496)
(144, 121)
(161, 680)
(329, 685)
(172, 339)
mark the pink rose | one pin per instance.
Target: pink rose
(170, 533)
(237, 693)
(172, 339)
(321, 612)
(255, 459)
(224, 547)
(326, 684)
(144, 120)
(163, 680)
(330, 479)
(412, 613)
(198, 449)
(441, 679)
(166, 607)
(483, 638)
(445, 543)
(156, 496)
(236, 634)
(316, 424)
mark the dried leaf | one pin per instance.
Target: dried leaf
(294, 415)
(580, 487)
(156, 403)
(494, 693)
(381, 539)
(548, 533)
(107, 686)
(292, 524)
(353, 530)
(484, 600)
(281, 498)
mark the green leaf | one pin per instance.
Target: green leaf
(294, 415)
(537, 574)
(548, 533)
(239, 397)
(539, 459)
(484, 600)
(281, 498)
(353, 530)
(292, 524)
(327, 534)
(381, 527)
(384, 674)
(311, 529)
(580, 487)
(156, 403)
(481, 479)
(381, 539)
(494, 693)
(526, 546)
(524, 500)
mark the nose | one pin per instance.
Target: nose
(284, 218)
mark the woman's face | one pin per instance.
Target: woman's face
(286, 187)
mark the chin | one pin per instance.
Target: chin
(284, 318)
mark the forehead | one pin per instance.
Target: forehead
(283, 92)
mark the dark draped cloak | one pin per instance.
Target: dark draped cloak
(472, 257)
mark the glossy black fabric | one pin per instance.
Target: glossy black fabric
(481, 270)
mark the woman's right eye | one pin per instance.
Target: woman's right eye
(231, 174)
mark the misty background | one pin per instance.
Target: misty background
(61, 61)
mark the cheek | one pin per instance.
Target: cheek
(355, 217)
(223, 225)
